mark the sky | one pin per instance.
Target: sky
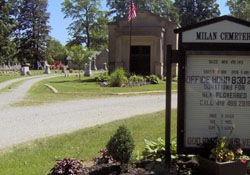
(59, 24)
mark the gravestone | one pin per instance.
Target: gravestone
(88, 71)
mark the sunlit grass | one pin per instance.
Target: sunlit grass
(38, 157)
(71, 88)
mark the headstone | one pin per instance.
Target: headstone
(88, 71)
(94, 64)
(105, 66)
(25, 69)
(47, 68)
(64, 69)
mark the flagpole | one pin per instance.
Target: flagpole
(130, 35)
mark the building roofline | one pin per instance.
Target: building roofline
(211, 21)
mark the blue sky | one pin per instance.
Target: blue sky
(59, 24)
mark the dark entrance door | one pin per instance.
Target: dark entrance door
(140, 60)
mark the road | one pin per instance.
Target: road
(23, 124)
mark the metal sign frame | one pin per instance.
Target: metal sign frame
(202, 48)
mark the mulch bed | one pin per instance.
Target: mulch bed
(141, 168)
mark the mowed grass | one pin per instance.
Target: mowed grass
(38, 157)
(4, 78)
(72, 88)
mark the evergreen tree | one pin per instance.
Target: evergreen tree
(163, 7)
(239, 8)
(7, 27)
(193, 11)
(33, 30)
(88, 25)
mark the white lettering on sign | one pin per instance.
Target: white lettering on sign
(217, 95)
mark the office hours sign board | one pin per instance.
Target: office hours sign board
(217, 97)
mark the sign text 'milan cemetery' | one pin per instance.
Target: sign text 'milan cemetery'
(215, 81)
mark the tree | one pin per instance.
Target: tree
(33, 30)
(163, 7)
(7, 27)
(99, 33)
(79, 56)
(87, 22)
(239, 8)
(193, 11)
(55, 51)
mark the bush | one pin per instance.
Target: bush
(103, 77)
(67, 166)
(136, 79)
(118, 78)
(121, 145)
(153, 79)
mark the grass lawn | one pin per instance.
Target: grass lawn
(9, 77)
(38, 157)
(13, 76)
(72, 88)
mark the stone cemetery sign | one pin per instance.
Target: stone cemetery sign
(214, 82)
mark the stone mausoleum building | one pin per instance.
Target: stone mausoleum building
(151, 33)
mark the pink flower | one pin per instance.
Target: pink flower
(239, 151)
(243, 160)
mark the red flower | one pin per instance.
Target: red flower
(243, 160)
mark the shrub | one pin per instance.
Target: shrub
(153, 79)
(105, 157)
(121, 145)
(103, 77)
(118, 78)
(136, 79)
(67, 166)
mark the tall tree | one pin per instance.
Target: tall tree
(239, 8)
(193, 11)
(163, 7)
(86, 18)
(7, 27)
(33, 30)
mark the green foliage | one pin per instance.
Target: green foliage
(88, 24)
(195, 11)
(136, 79)
(121, 145)
(154, 150)
(32, 32)
(164, 7)
(153, 79)
(55, 50)
(67, 166)
(79, 56)
(118, 78)
(239, 8)
(7, 28)
(104, 77)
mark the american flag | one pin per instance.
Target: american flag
(132, 11)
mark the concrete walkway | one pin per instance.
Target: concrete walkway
(22, 124)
